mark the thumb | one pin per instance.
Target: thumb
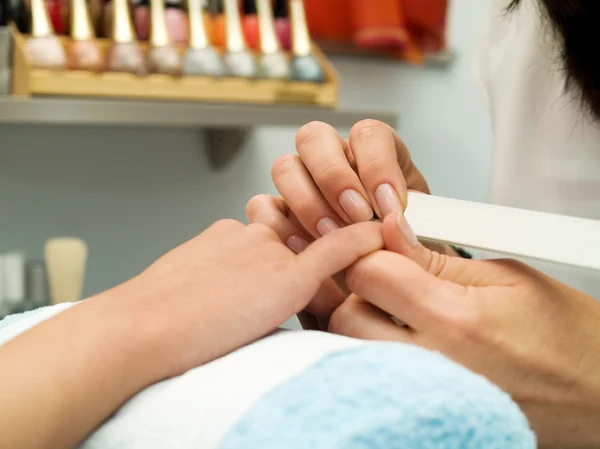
(399, 237)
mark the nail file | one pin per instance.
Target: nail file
(514, 232)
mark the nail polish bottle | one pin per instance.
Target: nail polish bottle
(96, 10)
(240, 62)
(250, 24)
(218, 24)
(282, 24)
(55, 15)
(305, 66)
(125, 54)
(272, 61)
(201, 59)
(43, 47)
(141, 20)
(177, 22)
(82, 51)
(163, 56)
(107, 19)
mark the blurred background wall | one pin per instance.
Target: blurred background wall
(132, 194)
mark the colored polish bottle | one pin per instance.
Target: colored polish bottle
(177, 22)
(163, 56)
(219, 27)
(125, 54)
(83, 52)
(43, 47)
(141, 20)
(282, 24)
(250, 24)
(239, 61)
(272, 61)
(55, 14)
(201, 59)
(107, 19)
(305, 66)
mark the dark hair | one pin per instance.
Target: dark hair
(576, 25)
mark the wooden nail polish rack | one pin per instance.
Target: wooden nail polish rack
(29, 81)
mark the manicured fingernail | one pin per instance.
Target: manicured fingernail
(297, 243)
(355, 206)
(326, 225)
(387, 199)
(407, 231)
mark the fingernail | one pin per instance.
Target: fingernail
(355, 206)
(326, 225)
(407, 231)
(387, 199)
(297, 243)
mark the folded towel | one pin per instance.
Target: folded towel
(297, 390)
(383, 396)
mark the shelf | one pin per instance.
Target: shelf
(441, 60)
(226, 125)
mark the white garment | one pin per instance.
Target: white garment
(546, 150)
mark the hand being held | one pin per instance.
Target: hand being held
(233, 284)
(536, 338)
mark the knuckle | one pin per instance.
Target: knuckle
(255, 206)
(372, 165)
(311, 132)
(227, 224)
(368, 128)
(283, 164)
(330, 174)
(260, 231)
(360, 274)
(306, 210)
(340, 318)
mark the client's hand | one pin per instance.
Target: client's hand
(234, 283)
(219, 291)
(533, 336)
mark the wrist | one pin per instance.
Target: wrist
(137, 329)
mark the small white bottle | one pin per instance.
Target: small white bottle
(14, 280)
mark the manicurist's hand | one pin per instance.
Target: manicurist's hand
(332, 182)
(536, 338)
(217, 292)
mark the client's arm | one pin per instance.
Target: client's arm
(215, 293)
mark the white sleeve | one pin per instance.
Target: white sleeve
(481, 64)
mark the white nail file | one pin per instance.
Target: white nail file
(514, 232)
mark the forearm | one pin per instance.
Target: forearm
(62, 378)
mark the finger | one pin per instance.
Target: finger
(271, 211)
(358, 319)
(376, 148)
(340, 249)
(400, 287)
(322, 150)
(327, 299)
(400, 238)
(301, 194)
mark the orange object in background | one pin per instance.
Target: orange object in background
(406, 28)
(329, 20)
(381, 25)
(427, 22)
